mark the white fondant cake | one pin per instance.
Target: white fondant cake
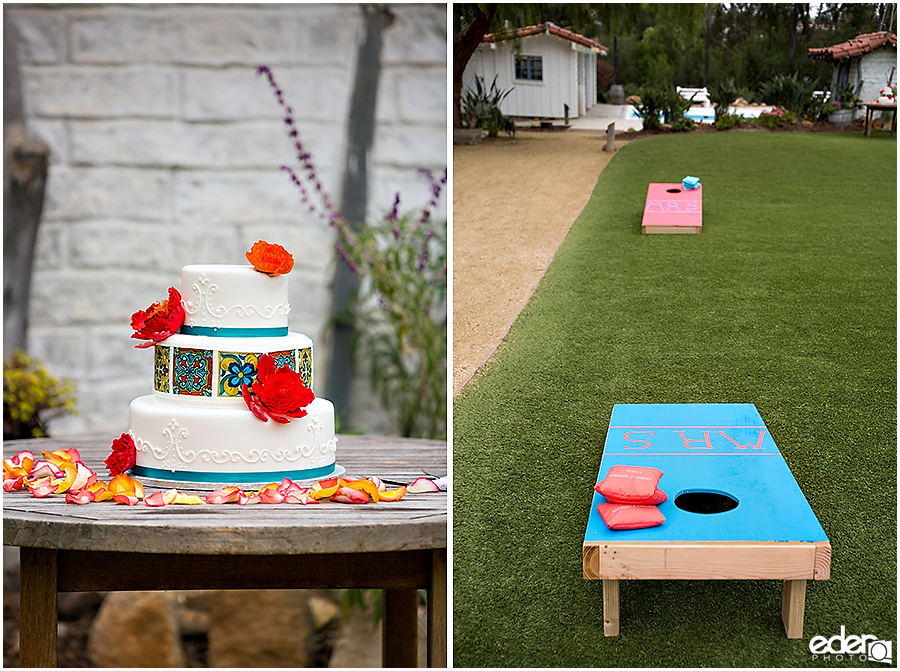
(196, 426)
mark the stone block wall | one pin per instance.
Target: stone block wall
(166, 150)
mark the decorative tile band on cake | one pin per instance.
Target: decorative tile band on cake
(230, 401)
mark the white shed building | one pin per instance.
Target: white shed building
(552, 71)
(868, 62)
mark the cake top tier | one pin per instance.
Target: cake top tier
(233, 301)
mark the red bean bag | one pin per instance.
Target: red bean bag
(622, 516)
(630, 484)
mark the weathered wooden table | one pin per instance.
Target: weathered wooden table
(876, 107)
(400, 546)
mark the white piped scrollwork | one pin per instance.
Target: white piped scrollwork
(174, 456)
(204, 288)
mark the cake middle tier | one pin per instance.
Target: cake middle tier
(212, 369)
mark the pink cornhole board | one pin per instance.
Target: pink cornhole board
(672, 209)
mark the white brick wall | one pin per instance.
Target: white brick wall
(166, 150)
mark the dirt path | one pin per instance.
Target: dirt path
(514, 200)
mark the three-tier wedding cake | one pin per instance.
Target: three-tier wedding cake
(232, 388)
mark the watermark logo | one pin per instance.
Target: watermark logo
(841, 646)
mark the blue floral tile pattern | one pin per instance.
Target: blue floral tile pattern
(192, 372)
(236, 369)
(285, 358)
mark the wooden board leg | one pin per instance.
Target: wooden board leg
(793, 604)
(437, 610)
(610, 607)
(400, 630)
(38, 604)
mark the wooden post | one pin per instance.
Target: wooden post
(610, 137)
(610, 607)
(793, 604)
(400, 629)
(38, 606)
(437, 610)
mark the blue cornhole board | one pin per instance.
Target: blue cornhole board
(727, 449)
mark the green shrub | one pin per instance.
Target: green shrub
(481, 109)
(722, 95)
(683, 124)
(32, 397)
(727, 121)
(789, 92)
(662, 100)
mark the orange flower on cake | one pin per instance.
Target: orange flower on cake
(269, 258)
(278, 393)
(159, 321)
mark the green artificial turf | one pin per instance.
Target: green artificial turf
(786, 300)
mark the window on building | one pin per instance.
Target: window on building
(529, 68)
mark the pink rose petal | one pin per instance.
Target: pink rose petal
(421, 486)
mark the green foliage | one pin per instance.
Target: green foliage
(727, 121)
(666, 101)
(481, 109)
(401, 315)
(32, 397)
(722, 95)
(776, 118)
(683, 124)
(819, 107)
(789, 92)
(846, 95)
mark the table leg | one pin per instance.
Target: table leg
(868, 125)
(38, 604)
(437, 610)
(793, 604)
(400, 631)
(610, 607)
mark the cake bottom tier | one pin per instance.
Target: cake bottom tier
(215, 444)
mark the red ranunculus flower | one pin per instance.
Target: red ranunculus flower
(124, 455)
(278, 393)
(159, 321)
(269, 258)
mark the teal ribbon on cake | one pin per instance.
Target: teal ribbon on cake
(203, 476)
(265, 332)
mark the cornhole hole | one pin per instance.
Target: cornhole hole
(670, 208)
(734, 510)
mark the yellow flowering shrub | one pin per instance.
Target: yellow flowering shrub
(31, 397)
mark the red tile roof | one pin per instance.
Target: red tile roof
(859, 45)
(552, 29)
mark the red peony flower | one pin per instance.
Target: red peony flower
(159, 321)
(278, 393)
(271, 259)
(124, 455)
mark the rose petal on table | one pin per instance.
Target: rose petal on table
(44, 468)
(100, 490)
(422, 486)
(349, 495)
(80, 496)
(184, 499)
(299, 495)
(392, 494)
(157, 499)
(14, 484)
(270, 494)
(18, 465)
(127, 499)
(230, 494)
(42, 487)
(366, 486)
